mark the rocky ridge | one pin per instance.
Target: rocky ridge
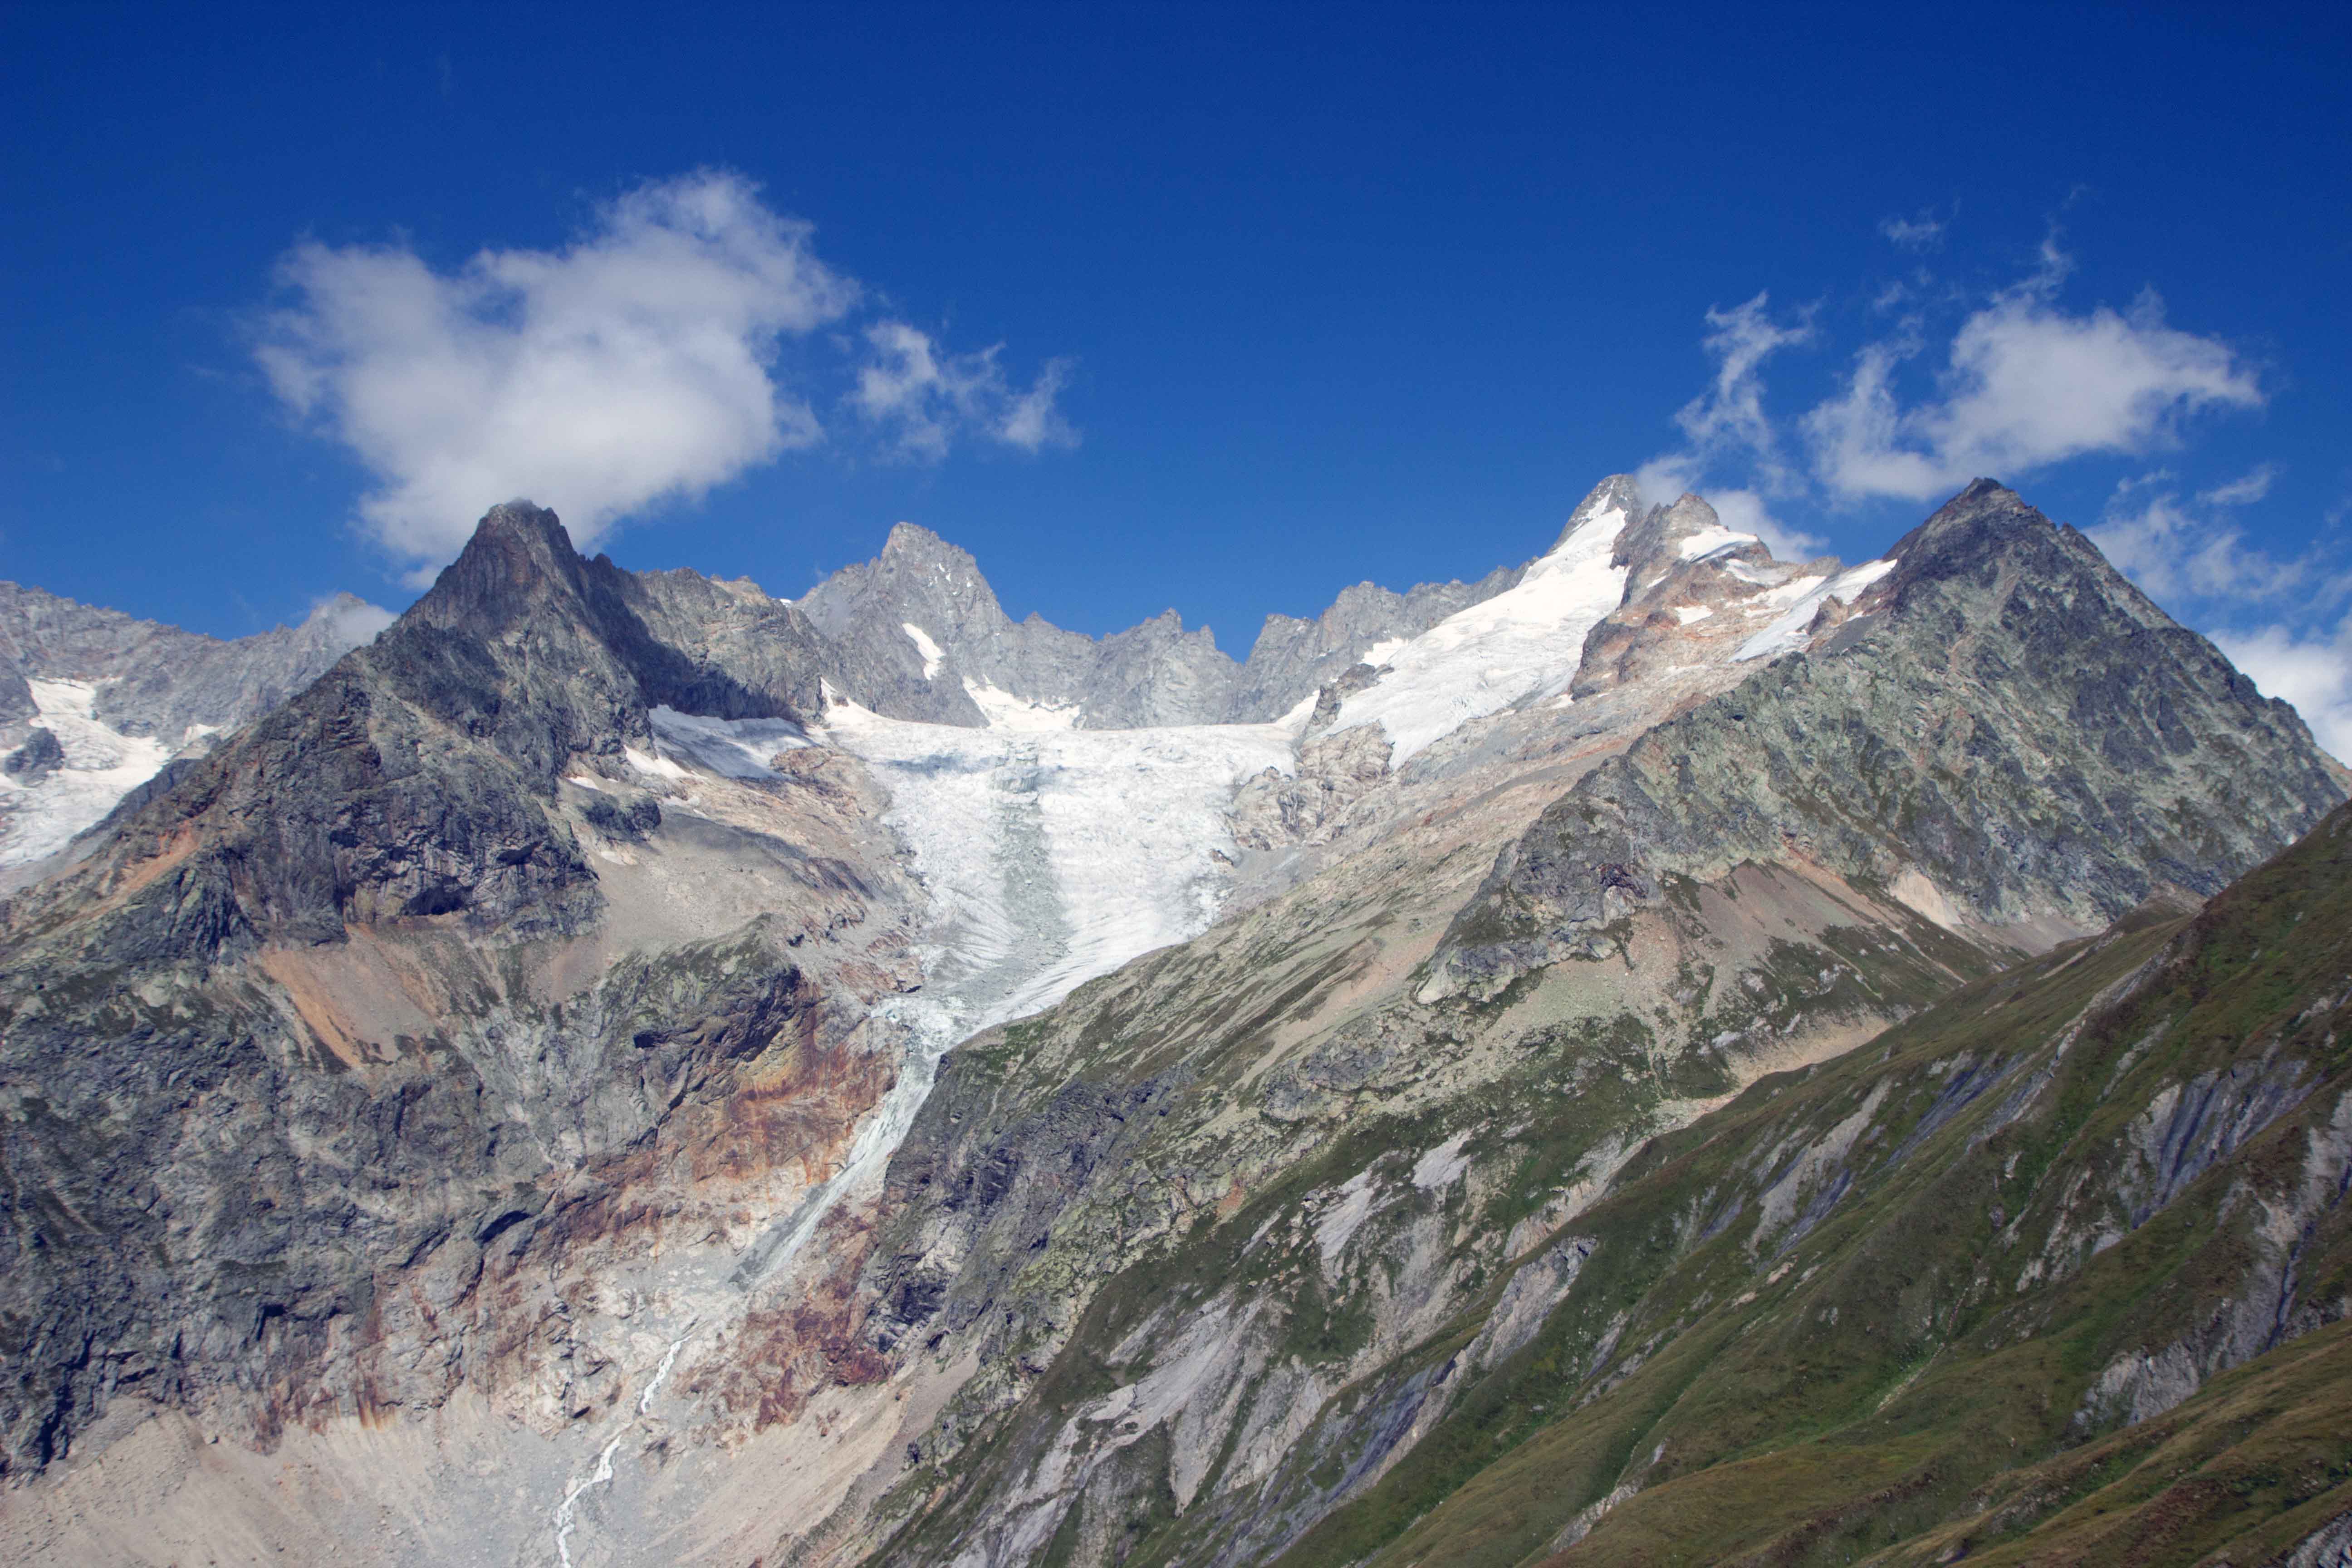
(101, 700)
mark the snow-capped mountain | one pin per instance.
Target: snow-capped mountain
(624, 1068)
(93, 703)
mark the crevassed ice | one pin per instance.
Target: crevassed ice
(1481, 661)
(1060, 852)
(1051, 857)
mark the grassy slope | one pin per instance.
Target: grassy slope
(1899, 1380)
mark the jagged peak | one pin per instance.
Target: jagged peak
(911, 542)
(519, 554)
(1618, 491)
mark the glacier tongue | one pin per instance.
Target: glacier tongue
(1055, 855)
(1051, 857)
(1481, 661)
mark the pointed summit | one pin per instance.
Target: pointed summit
(1617, 492)
(519, 557)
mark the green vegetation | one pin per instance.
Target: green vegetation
(1915, 1376)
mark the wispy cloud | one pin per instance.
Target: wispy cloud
(2283, 619)
(2176, 551)
(1922, 232)
(2243, 491)
(924, 396)
(640, 365)
(2025, 384)
(1725, 429)
(350, 620)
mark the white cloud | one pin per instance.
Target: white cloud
(2026, 385)
(1729, 418)
(630, 367)
(2173, 553)
(2312, 669)
(636, 365)
(1727, 429)
(2243, 491)
(1925, 232)
(350, 621)
(924, 396)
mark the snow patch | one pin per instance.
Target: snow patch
(1005, 711)
(924, 646)
(1804, 596)
(1482, 660)
(1707, 541)
(102, 764)
(1688, 614)
(1441, 1167)
(659, 767)
(731, 748)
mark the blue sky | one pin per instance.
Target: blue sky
(1215, 309)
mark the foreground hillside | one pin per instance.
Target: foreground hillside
(624, 1068)
(2056, 1271)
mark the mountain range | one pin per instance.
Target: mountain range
(1663, 1054)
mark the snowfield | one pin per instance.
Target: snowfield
(102, 766)
(1483, 660)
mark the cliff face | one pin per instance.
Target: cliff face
(335, 1060)
(484, 1078)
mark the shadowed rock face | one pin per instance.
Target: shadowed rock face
(39, 756)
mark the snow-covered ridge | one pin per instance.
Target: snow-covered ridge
(1483, 660)
(1804, 597)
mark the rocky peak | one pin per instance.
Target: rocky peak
(520, 557)
(2001, 678)
(1663, 538)
(1617, 492)
(919, 577)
